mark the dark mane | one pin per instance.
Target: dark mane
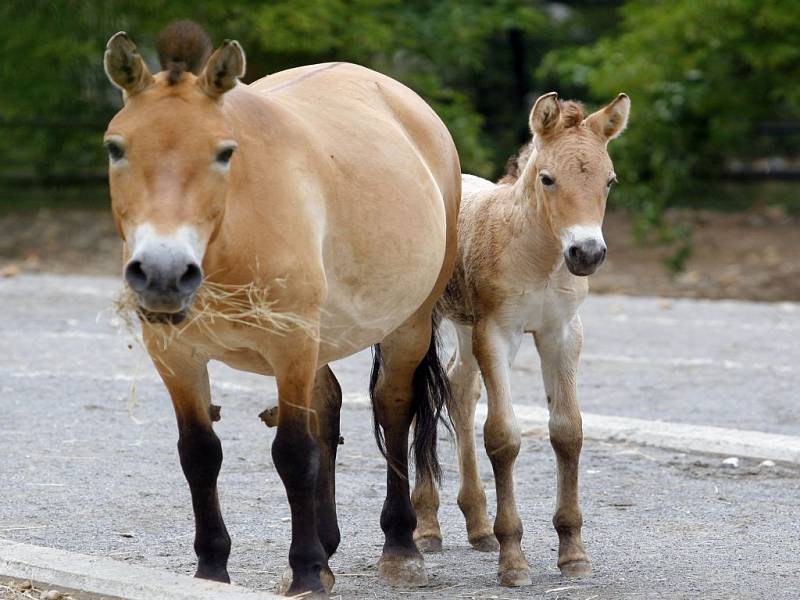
(183, 46)
(516, 164)
(572, 115)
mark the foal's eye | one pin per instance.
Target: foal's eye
(546, 180)
(115, 150)
(224, 156)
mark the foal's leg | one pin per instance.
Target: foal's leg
(297, 457)
(401, 563)
(326, 403)
(464, 377)
(200, 453)
(559, 351)
(495, 349)
(466, 389)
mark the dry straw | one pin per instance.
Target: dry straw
(244, 305)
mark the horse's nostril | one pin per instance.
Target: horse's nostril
(602, 254)
(136, 276)
(574, 252)
(191, 278)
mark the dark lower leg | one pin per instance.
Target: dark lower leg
(297, 457)
(327, 401)
(398, 519)
(201, 458)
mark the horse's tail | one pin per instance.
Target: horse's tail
(431, 394)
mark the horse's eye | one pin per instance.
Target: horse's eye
(115, 150)
(224, 156)
(547, 181)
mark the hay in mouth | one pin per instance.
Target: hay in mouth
(245, 305)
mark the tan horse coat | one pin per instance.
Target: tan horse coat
(524, 248)
(332, 190)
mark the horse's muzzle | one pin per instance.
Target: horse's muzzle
(584, 257)
(164, 286)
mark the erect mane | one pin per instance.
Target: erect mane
(183, 46)
(572, 115)
(516, 164)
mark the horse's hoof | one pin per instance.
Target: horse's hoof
(487, 543)
(429, 543)
(325, 576)
(213, 575)
(402, 570)
(514, 578)
(577, 568)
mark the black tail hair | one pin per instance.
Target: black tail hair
(431, 394)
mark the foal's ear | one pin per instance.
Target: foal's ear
(223, 69)
(545, 115)
(125, 66)
(611, 120)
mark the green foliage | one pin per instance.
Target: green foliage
(701, 76)
(55, 100)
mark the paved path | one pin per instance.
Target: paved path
(86, 468)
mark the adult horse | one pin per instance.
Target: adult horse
(331, 193)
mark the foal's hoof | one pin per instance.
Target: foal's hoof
(487, 543)
(402, 570)
(325, 576)
(429, 543)
(514, 577)
(578, 568)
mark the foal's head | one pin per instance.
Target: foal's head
(569, 173)
(170, 152)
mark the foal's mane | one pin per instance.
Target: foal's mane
(183, 46)
(572, 115)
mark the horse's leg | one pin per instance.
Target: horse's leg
(494, 350)
(425, 499)
(465, 383)
(400, 354)
(464, 377)
(297, 457)
(200, 453)
(559, 353)
(327, 403)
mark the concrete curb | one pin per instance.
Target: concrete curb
(674, 436)
(662, 434)
(104, 577)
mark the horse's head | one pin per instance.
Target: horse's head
(170, 152)
(569, 173)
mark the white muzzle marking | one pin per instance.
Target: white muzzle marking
(579, 234)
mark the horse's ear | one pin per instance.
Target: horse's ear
(124, 65)
(545, 115)
(223, 69)
(611, 120)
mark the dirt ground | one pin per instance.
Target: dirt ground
(745, 256)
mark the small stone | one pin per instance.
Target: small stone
(732, 462)
(51, 595)
(767, 463)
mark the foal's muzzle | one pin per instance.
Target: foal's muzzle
(164, 284)
(583, 258)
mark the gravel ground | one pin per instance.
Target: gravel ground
(90, 467)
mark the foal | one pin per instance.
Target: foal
(525, 247)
